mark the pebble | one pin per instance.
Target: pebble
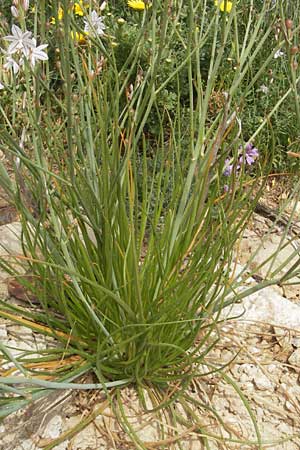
(263, 383)
(53, 428)
(294, 359)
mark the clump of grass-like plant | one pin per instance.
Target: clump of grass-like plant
(128, 243)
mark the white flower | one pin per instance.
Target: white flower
(278, 54)
(36, 53)
(1, 86)
(18, 39)
(264, 89)
(23, 46)
(94, 24)
(12, 64)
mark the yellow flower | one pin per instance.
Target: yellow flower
(60, 15)
(138, 5)
(79, 37)
(222, 6)
(78, 8)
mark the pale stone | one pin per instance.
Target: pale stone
(244, 378)
(86, 439)
(295, 341)
(253, 373)
(53, 428)
(263, 383)
(294, 359)
(266, 247)
(250, 370)
(7, 438)
(284, 428)
(26, 445)
(266, 306)
(147, 433)
(254, 350)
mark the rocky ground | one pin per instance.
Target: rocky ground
(261, 352)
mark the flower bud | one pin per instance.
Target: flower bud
(25, 5)
(121, 21)
(14, 12)
(289, 24)
(294, 50)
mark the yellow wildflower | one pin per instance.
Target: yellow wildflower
(60, 15)
(78, 8)
(138, 5)
(79, 37)
(224, 6)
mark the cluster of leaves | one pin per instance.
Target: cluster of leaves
(119, 145)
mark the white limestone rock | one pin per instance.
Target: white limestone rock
(269, 307)
(294, 359)
(54, 428)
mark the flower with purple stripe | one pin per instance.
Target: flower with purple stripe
(250, 155)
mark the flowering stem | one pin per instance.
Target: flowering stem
(68, 83)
